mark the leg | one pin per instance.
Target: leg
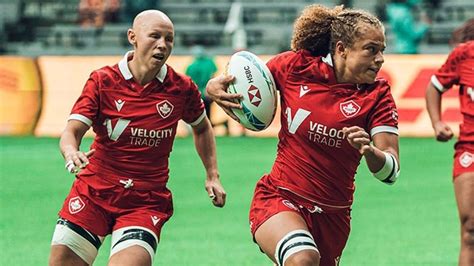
(133, 255)
(278, 239)
(464, 190)
(63, 255)
(73, 245)
(133, 245)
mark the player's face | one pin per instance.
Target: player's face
(154, 42)
(365, 58)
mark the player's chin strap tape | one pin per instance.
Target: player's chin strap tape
(293, 242)
(93, 239)
(129, 236)
(390, 170)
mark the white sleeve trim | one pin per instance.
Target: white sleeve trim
(437, 84)
(81, 118)
(199, 119)
(380, 129)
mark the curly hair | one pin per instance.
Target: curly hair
(319, 28)
(464, 33)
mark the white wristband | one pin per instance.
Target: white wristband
(390, 170)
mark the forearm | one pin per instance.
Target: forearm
(206, 148)
(433, 104)
(71, 137)
(375, 159)
(383, 158)
(69, 143)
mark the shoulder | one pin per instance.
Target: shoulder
(178, 80)
(107, 76)
(381, 87)
(463, 50)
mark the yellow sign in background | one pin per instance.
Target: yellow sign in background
(20, 95)
(63, 78)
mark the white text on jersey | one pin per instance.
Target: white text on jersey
(322, 134)
(150, 138)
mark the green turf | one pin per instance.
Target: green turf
(413, 222)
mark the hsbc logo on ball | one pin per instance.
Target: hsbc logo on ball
(254, 96)
(349, 108)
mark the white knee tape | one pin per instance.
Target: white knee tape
(134, 235)
(63, 235)
(292, 243)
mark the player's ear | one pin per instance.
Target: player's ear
(340, 49)
(132, 38)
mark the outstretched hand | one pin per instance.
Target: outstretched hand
(442, 131)
(77, 160)
(358, 138)
(216, 89)
(216, 192)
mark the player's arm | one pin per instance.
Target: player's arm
(216, 89)
(69, 144)
(206, 148)
(381, 155)
(433, 104)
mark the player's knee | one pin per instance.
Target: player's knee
(62, 255)
(74, 244)
(303, 258)
(297, 248)
(468, 230)
(134, 236)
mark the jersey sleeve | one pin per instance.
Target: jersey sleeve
(279, 66)
(194, 111)
(384, 117)
(87, 105)
(447, 75)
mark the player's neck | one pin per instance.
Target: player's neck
(141, 72)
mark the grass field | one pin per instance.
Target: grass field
(413, 222)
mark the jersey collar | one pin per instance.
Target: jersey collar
(123, 67)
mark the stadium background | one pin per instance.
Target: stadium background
(46, 57)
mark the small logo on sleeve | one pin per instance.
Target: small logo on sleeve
(466, 159)
(349, 108)
(165, 108)
(76, 205)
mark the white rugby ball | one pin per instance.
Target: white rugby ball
(255, 82)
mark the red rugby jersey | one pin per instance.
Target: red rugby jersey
(135, 125)
(314, 158)
(459, 70)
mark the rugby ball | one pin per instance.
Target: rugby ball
(255, 83)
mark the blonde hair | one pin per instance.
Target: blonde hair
(319, 28)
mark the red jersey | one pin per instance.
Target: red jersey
(135, 125)
(314, 159)
(459, 70)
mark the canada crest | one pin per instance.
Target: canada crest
(349, 108)
(76, 205)
(466, 159)
(165, 108)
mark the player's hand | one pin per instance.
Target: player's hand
(216, 89)
(443, 132)
(359, 139)
(77, 160)
(216, 191)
